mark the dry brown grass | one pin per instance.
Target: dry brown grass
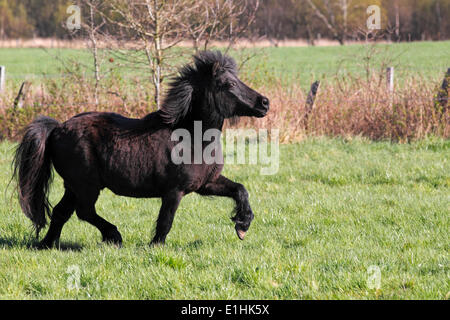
(357, 108)
(242, 43)
(354, 107)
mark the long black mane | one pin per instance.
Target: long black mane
(191, 79)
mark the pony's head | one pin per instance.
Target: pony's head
(211, 87)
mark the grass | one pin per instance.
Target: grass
(306, 64)
(335, 208)
(286, 64)
(352, 98)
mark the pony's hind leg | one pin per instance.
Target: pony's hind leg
(85, 210)
(60, 215)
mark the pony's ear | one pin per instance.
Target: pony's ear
(177, 102)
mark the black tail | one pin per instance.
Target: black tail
(33, 171)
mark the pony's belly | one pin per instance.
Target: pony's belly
(137, 187)
(135, 193)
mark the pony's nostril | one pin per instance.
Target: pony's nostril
(265, 102)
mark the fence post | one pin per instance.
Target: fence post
(310, 100)
(19, 100)
(390, 79)
(442, 96)
(2, 78)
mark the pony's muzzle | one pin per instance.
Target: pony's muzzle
(265, 103)
(262, 107)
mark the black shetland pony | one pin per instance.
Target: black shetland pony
(132, 157)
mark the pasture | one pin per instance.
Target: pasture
(336, 208)
(286, 64)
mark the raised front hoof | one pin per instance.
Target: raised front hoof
(240, 233)
(114, 238)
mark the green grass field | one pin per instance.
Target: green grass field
(335, 209)
(286, 64)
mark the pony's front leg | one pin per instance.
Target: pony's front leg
(227, 188)
(169, 206)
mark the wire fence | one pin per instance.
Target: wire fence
(322, 74)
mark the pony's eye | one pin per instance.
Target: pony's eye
(232, 84)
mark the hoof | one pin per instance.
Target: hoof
(113, 238)
(157, 243)
(44, 245)
(240, 233)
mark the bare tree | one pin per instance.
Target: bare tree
(157, 25)
(160, 25)
(90, 30)
(235, 17)
(328, 17)
(199, 23)
(339, 16)
(92, 27)
(224, 20)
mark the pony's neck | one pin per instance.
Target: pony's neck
(206, 114)
(206, 123)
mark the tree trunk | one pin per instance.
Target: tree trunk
(94, 53)
(397, 21)
(157, 40)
